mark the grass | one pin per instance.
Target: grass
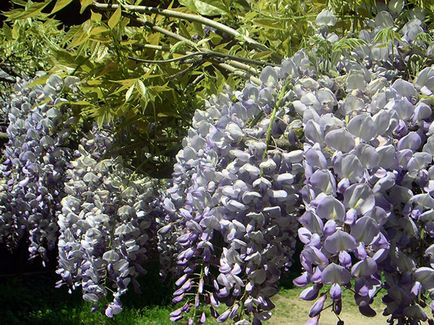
(290, 310)
(34, 300)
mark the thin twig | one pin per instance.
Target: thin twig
(228, 66)
(166, 32)
(185, 16)
(190, 55)
(277, 106)
(180, 73)
(181, 58)
(237, 72)
(243, 66)
(207, 52)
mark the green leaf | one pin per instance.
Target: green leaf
(19, 2)
(114, 19)
(387, 35)
(142, 88)
(98, 30)
(129, 92)
(95, 16)
(348, 43)
(179, 46)
(241, 5)
(32, 10)
(60, 4)
(206, 7)
(39, 81)
(94, 82)
(80, 103)
(79, 38)
(84, 5)
(126, 82)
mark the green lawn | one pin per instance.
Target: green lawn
(292, 311)
(34, 300)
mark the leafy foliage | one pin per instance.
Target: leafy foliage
(150, 69)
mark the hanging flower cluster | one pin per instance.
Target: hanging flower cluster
(234, 204)
(334, 148)
(106, 225)
(348, 154)
(35, 161)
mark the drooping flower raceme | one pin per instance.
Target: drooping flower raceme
(34, 168)
(367, 170)
(234, 203)
(354, 145)
(106, 224)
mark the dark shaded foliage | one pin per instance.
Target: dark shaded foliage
(30, 298)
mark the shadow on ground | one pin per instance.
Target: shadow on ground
(29, 296)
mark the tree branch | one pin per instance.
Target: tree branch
(229, 66)
(206, 52)
(190, 17)
(181, 58)
(168, 33)
(240, 73)
(243, 66)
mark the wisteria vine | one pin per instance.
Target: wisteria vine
(234, 205)
(347, 154)
(36, 156)
(106, 225)
(334, 148)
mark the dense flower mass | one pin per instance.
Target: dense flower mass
(35, 161)
(105, 225)
(234, 201)
(234, 204)
(349, 151)
(333, 148)
(366, 193)
(368, 162)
